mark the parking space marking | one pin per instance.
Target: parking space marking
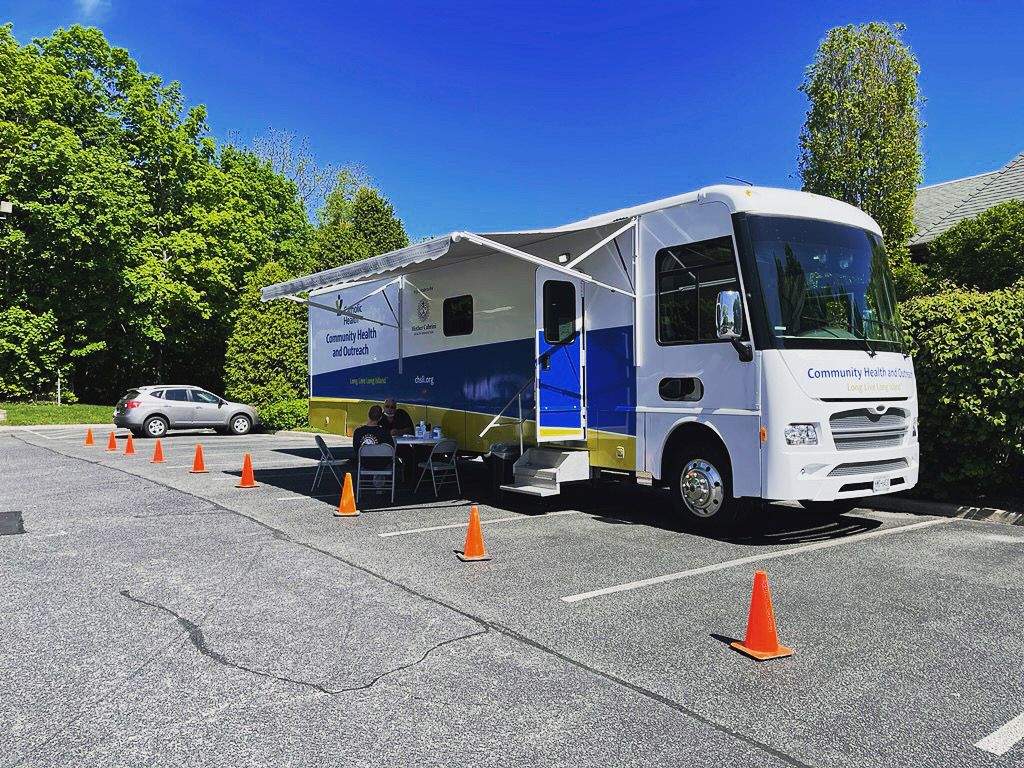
(410, 531)
(1001, 741)
(759, 558)
(309, 496)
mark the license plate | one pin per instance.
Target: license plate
(880, 486)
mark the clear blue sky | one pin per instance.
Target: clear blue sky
(494, 116)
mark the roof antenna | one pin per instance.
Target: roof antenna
(741, 181)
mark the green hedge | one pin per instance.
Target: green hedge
(287, 414)
(968, 350)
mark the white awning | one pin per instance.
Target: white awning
(455, 246)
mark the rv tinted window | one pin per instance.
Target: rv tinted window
(458, 316)
(559, 311)
(689, 279)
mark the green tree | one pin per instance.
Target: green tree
(266, 354)
(355, 223)
(31, 354)
(130, 225)
(985, 252)
(860, 141)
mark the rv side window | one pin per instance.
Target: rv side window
(688, 388)
(458, 316)
(559, 311)
(689, 279)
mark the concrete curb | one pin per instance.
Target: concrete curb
(55, 427)
(943, 509)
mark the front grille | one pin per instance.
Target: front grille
(868, 467)
(862, 428)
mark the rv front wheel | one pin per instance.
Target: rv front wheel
(702, 485)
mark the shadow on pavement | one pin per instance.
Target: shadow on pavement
(611, 503)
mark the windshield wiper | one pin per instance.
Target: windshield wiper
(847, 326)
(899, 334)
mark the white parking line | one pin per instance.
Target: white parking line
(1001, 741)
(759, 558)
(311, 496)
(482, 522)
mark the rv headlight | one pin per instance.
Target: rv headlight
(801, 434)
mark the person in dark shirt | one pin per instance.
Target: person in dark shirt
(395, 420)
(372, 433)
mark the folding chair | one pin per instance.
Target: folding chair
(382, 451)
(441, 465)
(327, 461)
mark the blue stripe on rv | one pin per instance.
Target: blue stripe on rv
(482, 379)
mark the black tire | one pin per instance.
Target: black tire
(707, 505)
(155, 426)
(235, 426)
(829, 508)
(136, 432)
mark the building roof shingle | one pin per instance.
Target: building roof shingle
(939, 207)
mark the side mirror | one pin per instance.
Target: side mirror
(729, 315)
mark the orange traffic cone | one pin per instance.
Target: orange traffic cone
(474, 547)
(88, 437)
(129, 447)
(762, 641)
(158, 453)
(198, 465)
(347, 505)
(112, 443)
(247, 481)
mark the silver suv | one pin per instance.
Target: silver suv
(151, 411)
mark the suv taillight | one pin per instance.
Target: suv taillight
(132, 404)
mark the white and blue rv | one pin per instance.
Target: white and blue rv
(734, 342)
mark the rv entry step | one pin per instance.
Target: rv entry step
(541, 471)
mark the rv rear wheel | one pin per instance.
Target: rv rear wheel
(701, 482)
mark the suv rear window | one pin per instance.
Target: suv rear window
(131, 394)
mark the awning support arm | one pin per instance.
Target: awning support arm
(337, 311)
(595, 248)
(507, 249)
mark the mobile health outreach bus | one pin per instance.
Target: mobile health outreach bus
(734, 342)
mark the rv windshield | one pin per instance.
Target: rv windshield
(824, 284)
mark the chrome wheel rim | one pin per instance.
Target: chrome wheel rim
(702, 488)
(241, 424)
(156, 428)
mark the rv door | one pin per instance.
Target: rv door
(560, 360)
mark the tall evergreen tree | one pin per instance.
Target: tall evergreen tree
(860, 142)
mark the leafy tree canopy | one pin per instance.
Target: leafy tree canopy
(860, 141)
(134, 235)
(985, 252)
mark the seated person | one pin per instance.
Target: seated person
(395, 420)
(372, 433)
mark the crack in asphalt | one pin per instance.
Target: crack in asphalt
(485, 625)
(198, 640)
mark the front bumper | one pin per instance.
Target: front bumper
(811, 475)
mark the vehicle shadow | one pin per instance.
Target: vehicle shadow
(611, 503)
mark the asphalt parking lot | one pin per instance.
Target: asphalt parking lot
(155, 617)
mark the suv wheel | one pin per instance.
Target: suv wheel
(240, 425)
(155, 426)
(702, 486)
